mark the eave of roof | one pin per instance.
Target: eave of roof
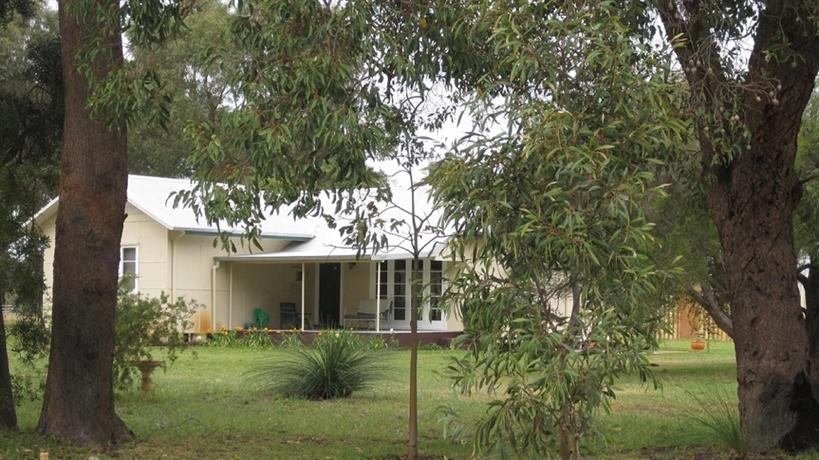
(135, 199)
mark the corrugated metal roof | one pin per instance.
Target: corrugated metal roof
(152, 195)
(313, 239)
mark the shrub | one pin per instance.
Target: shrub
(29, 338)
(143, 323)
(290, 340)
(223, 338)
(719, 414)
(256, 338)
(335, 366)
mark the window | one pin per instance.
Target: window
(399, 291)
(128, 267)
(418, 284)
(383, 281)
(436, 288)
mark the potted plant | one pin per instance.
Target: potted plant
(146, 368)
(695, 318)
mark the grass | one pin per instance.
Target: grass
(205, 408)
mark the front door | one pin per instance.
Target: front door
(329, 291)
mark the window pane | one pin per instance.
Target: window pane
(129, 254)
(398, 314)
(399, 290)
(434, 311)
(129, 268)
(436, 287)
(383, 281)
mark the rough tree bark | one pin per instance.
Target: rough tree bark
(79, 401)
(8, 414)
(752, 196)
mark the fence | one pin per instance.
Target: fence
(688, 321)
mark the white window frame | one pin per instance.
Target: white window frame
(135, 261)
(429, 295)
(388, 294)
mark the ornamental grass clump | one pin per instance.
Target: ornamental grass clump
(335, 366)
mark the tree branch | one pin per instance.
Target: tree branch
(709, 303)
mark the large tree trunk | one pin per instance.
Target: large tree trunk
(8, 415)
(752, 191)
(757, 239)
(79, 401)
(752, 201)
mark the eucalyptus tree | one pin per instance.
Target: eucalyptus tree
(749, 68)
(307, 115)
(557, 285)
(399, 218)
(312, 107)
(747, 110)
(101, 94)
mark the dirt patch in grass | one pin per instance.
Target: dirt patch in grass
(689, 453)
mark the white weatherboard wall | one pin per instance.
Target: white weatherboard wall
(158, 251)
(150, 239)
(140, 231)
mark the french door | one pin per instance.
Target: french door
(392, 282)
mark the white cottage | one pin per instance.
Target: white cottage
(303, 278)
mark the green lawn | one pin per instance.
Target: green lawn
(204, 408)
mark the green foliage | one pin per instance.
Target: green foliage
(24, 8)
(144, 324)
(291, 339)
(31, 338)
(380, 343)
(336, 365)
(31, 116)
(431, 347)
(125, 92)
(256, 338)
(559, 293)
(246, 338)
(806, 222)
(224, 338)
(306, 114)
(718, 413)
(28, 340)
(197, 88)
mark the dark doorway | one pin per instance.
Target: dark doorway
(329, 302)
